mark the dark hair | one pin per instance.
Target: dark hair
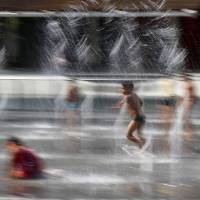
(15, 140)
(128, 85)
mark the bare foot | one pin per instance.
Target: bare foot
(142, 142)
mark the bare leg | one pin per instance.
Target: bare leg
(166, 112)
(167, 115)
(140, 126)
(133, 126)
(186, 118)
(69, 118)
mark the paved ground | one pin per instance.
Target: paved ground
(95, 161)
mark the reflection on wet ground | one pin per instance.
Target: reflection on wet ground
(95, 161)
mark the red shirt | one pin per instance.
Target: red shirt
(26, 161)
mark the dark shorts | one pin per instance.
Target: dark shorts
(139, 118)
(71, 106)
(36, 176)
(168, 101)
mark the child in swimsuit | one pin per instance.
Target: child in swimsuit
(134, 108)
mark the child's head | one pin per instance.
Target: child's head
(13, 144)
(127, 87)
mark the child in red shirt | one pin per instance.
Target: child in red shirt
(25, 164)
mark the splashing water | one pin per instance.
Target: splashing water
(2, 56)
(118, 122)
(125, 55)
(137, 5)
(3, 101)
(70, 45)
(87, 106)
(175, 59)
(132, 44)
(123, 45)
(177, 130)
(111, 5)
(55, 41)
(118, 128)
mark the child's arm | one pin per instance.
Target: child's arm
(17, 174)
(119, 104)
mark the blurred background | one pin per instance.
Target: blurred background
(61, 67)
(99, 44)
(38, 41)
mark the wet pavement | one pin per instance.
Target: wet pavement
(94, 160)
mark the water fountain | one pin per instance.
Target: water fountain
(118, 128)
(127, 42)
(55, 42)
(130, 45)
(125, 47)
(2, 56)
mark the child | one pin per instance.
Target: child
(25, 164)
(134, 107)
